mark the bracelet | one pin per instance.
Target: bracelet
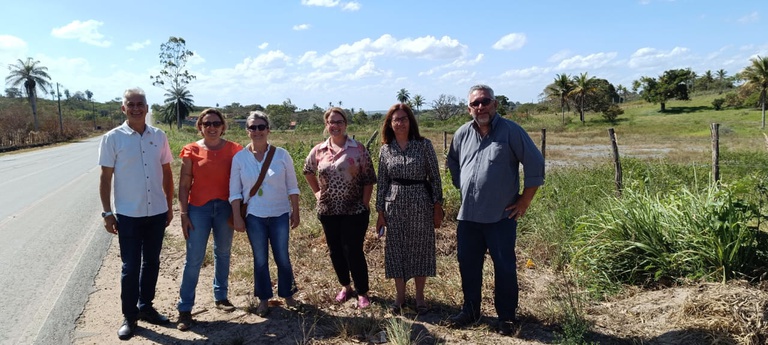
(183, 213)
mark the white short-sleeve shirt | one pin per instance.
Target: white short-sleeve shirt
(138, 177)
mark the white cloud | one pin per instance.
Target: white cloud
(138, 45)
(559, 56)
(753, 17)
(345, 6)
(351, 6)
(458, 63)
(591, 61)
(195, 59)
(263, 45)
(301, 27)
(511, 41)
(11, 48)
(321, 3)
(652, 58)
(86, 32)
(526, 73)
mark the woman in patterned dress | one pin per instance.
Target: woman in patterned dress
(409, 202)
(340, 173)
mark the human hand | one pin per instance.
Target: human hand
(295, 220)
(186, 225)
(518, 208)
(381, 222)
(239, 223)
(168, 217)
(317, 195)
(438, 215)
(110, 223)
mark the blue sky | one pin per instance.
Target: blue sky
(362, 52)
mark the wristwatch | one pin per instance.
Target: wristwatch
(106, 214)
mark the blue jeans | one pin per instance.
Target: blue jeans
(474, 239)
(263, 232)
(210, 217)
(141, 239)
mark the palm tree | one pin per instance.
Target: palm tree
(708, 79)
(418, 101)
(582, 86)
(561, 88)
(622, 90)
(33, 77)
(403, 96)
(721, 79)
(178, 104)
(89, 96)
(756, 75)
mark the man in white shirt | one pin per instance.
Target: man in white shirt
(139, 158)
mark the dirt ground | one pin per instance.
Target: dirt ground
(697, 314)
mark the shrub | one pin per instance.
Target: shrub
(718, 103)
(612, 113)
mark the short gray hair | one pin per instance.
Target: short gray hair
(257, 114)
(481, 87)
(136, 91)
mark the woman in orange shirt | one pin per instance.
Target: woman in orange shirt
(204, 205)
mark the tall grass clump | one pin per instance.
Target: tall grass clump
(648, 238)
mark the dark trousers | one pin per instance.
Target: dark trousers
(474, 239)
(141, 239)
(345, 235)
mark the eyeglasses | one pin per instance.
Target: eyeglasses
(259, 128)
(337, 122)
(215, 124)
(484, 101)
(403, 119)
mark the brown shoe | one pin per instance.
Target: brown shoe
(185, 321)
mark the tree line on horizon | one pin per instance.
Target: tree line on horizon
(579, 93)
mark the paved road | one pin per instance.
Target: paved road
(51, 241)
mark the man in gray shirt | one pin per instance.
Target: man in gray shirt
(484, 160)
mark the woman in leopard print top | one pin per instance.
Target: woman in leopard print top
(340, 173)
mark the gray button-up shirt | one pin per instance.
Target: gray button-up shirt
(486, 170)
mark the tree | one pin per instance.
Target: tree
(561, 89)
(418, 101)
(13, 92)
(721, 79)
(670, 85)
(67, 95)
(756, 76)
(503, 104)
(174, 77)
(445, 107)
(622, 91)
(89, 96)
(582, 86)
(178, 105)
(403, 96)
(32, 76)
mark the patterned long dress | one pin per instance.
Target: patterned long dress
(408, 209)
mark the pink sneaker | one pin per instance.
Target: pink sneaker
(363, 302)
(343, 295)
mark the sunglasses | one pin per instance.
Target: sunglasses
(215, 124)
(259, 128)
(484, 101)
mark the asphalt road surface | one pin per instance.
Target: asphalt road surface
(52, 241)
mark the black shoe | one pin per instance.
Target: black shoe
(225, 305)
(152, 316)
(126, 330)
(185, 321)
(461, 320)
(505, 328)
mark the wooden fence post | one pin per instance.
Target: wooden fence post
(544, 143)
(616, 161)
(714, 129)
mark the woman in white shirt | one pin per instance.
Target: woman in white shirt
(270, 211)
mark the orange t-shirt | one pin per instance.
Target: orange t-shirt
(210, 171)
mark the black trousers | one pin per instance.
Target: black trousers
(345, 235)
